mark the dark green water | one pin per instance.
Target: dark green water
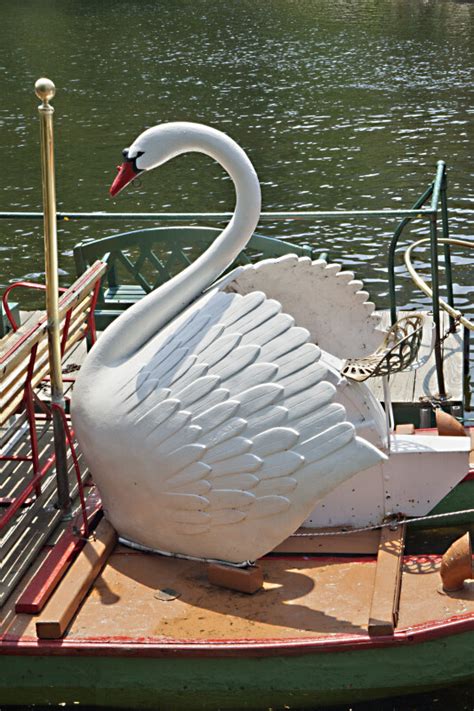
(340, 104)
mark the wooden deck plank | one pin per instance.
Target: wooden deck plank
(385, 600)
(24, 536)
(42, 585)
(67, 598)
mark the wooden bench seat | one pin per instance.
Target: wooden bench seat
(24, 365)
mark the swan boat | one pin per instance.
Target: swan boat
(254, 549)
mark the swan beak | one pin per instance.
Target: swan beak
(125, 175)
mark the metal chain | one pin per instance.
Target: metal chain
(396, 521)
(450, 330)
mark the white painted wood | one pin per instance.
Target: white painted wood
(420, 471)
(144, 400)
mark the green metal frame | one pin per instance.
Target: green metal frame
(437, 191)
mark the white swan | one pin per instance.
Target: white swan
(212, 429)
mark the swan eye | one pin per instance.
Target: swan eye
(133, 160)
(125, 153)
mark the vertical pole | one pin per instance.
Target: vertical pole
(392, 249)
(436, 310)
(45, 90)
(446, 247)
(466, 367)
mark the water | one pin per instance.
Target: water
(339, 104)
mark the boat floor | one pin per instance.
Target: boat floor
(147, 599)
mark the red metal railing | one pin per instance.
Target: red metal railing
(27, 405)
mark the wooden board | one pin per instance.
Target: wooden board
(67, 598)
(386, 595)
(25, 535)
(45, 580)
(353, 544)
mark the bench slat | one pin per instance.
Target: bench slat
(16, 348)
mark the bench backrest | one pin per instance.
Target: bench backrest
(24, 353)
(149, 257)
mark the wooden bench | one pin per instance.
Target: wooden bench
(24, 364)
(140, 261)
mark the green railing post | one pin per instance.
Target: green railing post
(446, 247)
(436, 309)
(391, 252)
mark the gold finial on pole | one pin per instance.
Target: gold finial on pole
(45, 90)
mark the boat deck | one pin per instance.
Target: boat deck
(150, 600)
(314, 586)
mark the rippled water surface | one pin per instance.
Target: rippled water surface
(340, 105)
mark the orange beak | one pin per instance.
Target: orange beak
(125, 175)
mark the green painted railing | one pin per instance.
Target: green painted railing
(139, 261)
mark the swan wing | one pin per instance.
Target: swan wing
(331, 303)
(240, 430)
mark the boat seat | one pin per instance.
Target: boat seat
(398, 351)
(141, 260)
(24, 364)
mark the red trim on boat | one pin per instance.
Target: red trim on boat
(156, 647)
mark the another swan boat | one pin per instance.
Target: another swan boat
(219, 431)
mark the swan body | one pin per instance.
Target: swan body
(210, 419)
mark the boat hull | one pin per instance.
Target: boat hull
(150, 677)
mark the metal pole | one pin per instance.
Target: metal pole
(45, 90)
(446, 247)
(223, 216)
(391, 253)
(436, 309)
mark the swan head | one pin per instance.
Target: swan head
(159, 144)
(156, 146)
(145, 153)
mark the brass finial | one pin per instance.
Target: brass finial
(45, 89)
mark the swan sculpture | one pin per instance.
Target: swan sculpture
(212, 424)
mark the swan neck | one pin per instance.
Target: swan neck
(141, 322)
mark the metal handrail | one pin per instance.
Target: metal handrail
(454, 314)
(219, 216)
(437, 191)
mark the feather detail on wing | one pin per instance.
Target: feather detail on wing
(236, 412)
(329, 302)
